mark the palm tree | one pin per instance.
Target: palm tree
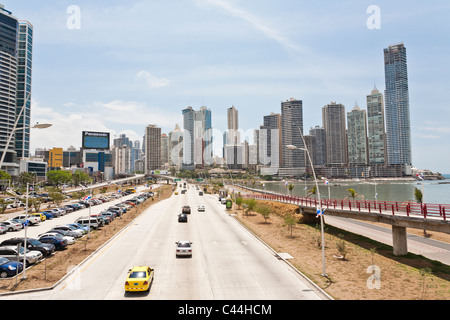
(291, 187)
(353, 194)
(312, 192)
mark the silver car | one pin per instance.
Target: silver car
(11, 225)
(184, 248)
(13, 254)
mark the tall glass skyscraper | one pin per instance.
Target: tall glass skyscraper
(291, 134)
(16, 49)
(398, 124)
(9, 27)
(24, 67)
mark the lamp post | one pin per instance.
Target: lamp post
(292, 147)
(36, 126)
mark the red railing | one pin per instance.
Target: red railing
(387, 207)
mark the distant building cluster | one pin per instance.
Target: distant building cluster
(361, 143)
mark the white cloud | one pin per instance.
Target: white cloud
(253, 20)
(152, 81)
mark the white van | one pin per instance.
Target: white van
(93, 223)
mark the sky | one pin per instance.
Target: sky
(117, 66)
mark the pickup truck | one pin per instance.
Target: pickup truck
(33, 220)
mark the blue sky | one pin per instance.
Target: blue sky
(133, 63)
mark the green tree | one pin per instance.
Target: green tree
(264, 210)
(312, 192)
(290, 222)
(251, 204)
(57, 177)
(56, 197)
(418, 195)
(80, 177)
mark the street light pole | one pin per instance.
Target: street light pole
(324, 274)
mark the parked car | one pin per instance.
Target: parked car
(12, 253)
(57, 240)
(182, 218)
(184, 248)
(70, 232)
(92, 223)
(9, 268)
(3, 229)
(32, 244)
(68, 208)
(11, 225)
(70, 240)
(48, 215)
(33, 220)
(39, 215)
(77, 226)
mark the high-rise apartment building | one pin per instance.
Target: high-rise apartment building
(233, 137)
(376, 135)
(333, 117)
(291, 134)
(398, 124)
(320, 146)
(357, 136)
(198, 140)
(152, 148)
(271, 151)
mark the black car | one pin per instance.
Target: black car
(57, 240)
(46, 249)
(186, 210)
(182, 218)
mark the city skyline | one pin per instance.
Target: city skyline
(270, 69)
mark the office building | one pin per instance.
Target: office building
(152, 148)
(176, 147)
(233, 137)
(291, 134)
(333, 117)
(198, 140)
(375, 128)
(24, 72)
(398, 124)
(9, 29)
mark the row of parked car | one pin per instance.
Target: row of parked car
(12, 251)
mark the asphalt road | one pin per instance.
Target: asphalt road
(228, 262)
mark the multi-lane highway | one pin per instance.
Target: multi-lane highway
(228, 262)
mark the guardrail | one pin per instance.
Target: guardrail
(386, 207)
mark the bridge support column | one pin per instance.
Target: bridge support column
(399, 241)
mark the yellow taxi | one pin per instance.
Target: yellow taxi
(139, 279)
(40, 215)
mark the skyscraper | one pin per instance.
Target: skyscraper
(152, 148)
(291, 133)
(24, 70)
(198, 140)
(320, 150)
(233, 137)
(357, 136)
(9, 27)
(375, 128)
(333, 117)
(398, 124)
(273, 140)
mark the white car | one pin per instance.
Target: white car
(11, 225)
(31, 219)
(70, 240)
(184, 248)
(201, 208)
(2, 229)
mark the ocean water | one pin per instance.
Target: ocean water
(437, 192)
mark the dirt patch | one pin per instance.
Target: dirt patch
(400, 278)
(51, 270)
